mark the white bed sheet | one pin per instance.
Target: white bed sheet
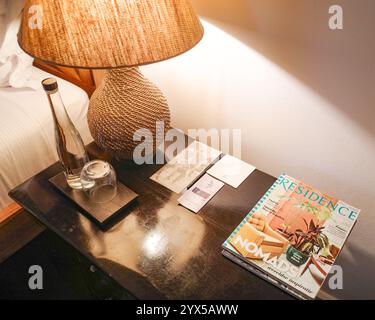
(27, 140)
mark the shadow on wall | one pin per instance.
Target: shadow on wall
(337, 64)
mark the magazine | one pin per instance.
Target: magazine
(292, 236)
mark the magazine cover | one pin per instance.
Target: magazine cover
(292, 236)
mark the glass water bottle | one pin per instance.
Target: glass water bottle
(69, 144)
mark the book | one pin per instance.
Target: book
(187, 167)
(292, 236)
(231, 170)
(200, 193)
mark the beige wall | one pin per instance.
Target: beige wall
(9, 9)
(302, 94)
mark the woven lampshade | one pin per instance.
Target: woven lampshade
(108, 34)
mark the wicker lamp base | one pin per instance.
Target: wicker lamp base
(126, 102)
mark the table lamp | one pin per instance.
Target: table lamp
(117, 35)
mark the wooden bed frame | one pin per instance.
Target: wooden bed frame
(17, 226)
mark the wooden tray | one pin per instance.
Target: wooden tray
(101, 213)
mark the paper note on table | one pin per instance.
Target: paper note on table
(200, 193)
(231, 170)
(181, 171)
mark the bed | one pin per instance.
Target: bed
(27, 143)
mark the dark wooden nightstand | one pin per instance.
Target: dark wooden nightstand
(158, 249)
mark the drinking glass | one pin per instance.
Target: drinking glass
(99, 181)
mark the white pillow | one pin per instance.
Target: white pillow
(15, 65)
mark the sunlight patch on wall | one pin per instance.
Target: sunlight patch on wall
(222, 77)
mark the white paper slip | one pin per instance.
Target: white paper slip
(200, 193)
(231, 170)
(186, 167)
